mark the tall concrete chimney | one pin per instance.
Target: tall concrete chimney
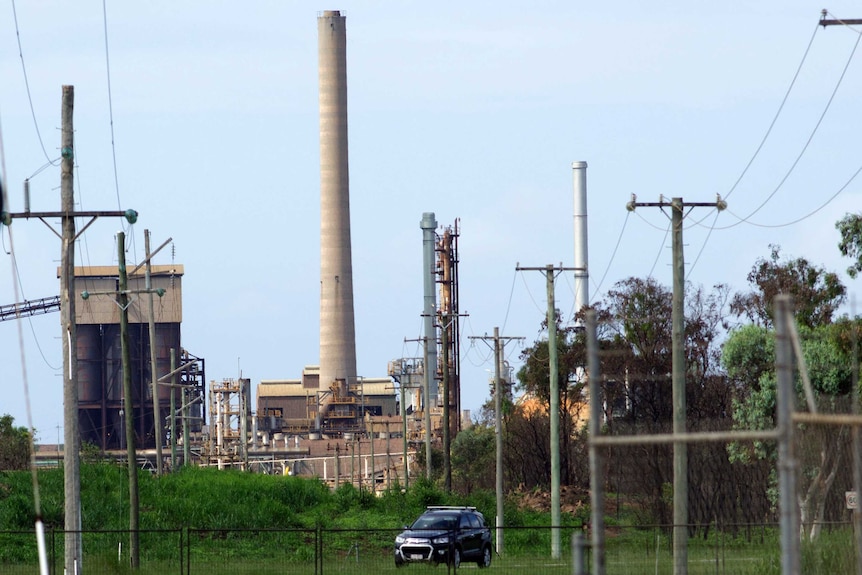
(337, 330)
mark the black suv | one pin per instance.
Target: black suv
(445, 535)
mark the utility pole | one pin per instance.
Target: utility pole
(426, 407)
(404, 436)
(151, 321)
(123, 302)
(73, 548)
(71, 433)
(499, 342)
(450, 428)
(597, 495)
(447, 403)
(680, 448)
(157, 423)
(550, 272)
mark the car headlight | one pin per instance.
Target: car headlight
(442, 540)
(400, 539)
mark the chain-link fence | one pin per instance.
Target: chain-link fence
(749, 549)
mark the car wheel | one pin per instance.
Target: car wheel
(456, 558)
(399, 563)
(485, 561)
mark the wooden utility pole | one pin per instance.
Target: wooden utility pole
(597, 499)
(554, 409)
(157, 419)
(71, 436)
(128, 411)
(131, 455)
(447, 403)
(73, 548)
(449, 394)
(680, 448)
(499, 343)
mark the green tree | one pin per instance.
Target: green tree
(749, 359)
(14, 445)
(636, 355)
(850, 228)
(817, 294)
(534, 378)
(473, 459)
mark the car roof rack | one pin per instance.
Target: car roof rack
(451, 507)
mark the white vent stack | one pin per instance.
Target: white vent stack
(337, 329)
(582, 276)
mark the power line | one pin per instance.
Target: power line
(509, 305)
(110, 101)
(705, 241)
(808, 215)
(804, 148)
(27, 86)
(613, 256)
(660, 249)
(777, 114)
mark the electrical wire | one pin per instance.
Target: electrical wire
(802, 152)
(20, 296)
(705, 241)
(808, 215)
(777, 114)
(111, 106)
(647, 222)
(538, 307)
(27, 86)
(37, 503)
(660, 249)
(613, 256)
(509, 305)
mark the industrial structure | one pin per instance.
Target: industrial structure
(304, 425)
(337, 328)
(99, 359)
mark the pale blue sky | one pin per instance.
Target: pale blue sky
(473, 111)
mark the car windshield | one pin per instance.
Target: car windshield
(435, 522)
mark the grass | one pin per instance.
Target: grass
(210, 522)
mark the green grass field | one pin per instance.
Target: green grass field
(209, 522)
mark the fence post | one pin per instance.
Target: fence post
(578, 562)
(318, 550)
(790, 562)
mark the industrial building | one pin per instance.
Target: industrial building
(292, 405)
(99, 357)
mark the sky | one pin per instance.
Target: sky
(203, 117)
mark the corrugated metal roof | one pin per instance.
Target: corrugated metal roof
(281, 389)
(293, 387)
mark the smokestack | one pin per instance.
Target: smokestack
(337, 330)
(429, 311)
(582, 276)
